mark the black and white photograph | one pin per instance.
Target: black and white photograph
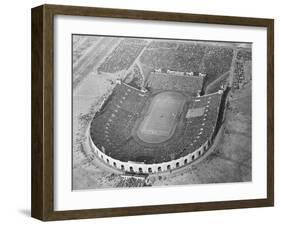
(159, 112)
(149, 112)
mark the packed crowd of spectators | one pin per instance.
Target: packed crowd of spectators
(191, 136)
(163, 81)
(199, 129)
(113, 124)
(185, 57)
(123, 55)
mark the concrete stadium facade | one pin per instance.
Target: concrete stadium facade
(135, 167)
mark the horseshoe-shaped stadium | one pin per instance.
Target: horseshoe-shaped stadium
(166, 126)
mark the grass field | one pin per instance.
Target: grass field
(160, 120)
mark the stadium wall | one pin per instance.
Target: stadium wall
(149, 168)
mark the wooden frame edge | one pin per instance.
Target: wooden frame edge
(42, 198)
(270, 111)
(37, 113)
(155, 15)
(42, 113)
(158, 209)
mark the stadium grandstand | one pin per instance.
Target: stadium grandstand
(175, 56)
(115, 130)
(185, 57)
(167, 81)
(169, 108)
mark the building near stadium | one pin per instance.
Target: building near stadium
(166, 126)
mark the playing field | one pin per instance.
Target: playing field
(160, 120)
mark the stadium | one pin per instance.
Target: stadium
(166, 120)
